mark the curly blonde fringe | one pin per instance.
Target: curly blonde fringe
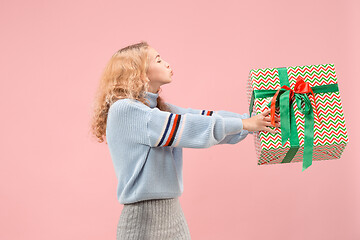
(124, 76)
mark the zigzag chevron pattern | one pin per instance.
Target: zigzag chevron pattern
(320, 153)
(330, 134)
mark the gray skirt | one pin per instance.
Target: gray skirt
(153, 219)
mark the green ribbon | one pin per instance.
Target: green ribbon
(287, 116)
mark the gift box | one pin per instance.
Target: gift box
(307, 100)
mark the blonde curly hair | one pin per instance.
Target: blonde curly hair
(124, 76)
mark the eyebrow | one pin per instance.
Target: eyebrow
(157, 56)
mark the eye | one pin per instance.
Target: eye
(159, 61)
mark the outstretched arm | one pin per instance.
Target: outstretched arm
(158, 128)
(230, 139)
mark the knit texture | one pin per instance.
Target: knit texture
(146, 144)
(156, 219)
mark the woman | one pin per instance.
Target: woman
(146, 135)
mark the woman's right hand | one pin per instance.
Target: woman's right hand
(260, 122)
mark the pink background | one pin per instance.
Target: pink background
(57, 182)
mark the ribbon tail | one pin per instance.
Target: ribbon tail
(309, 140)
(294, 138)
(285, 117)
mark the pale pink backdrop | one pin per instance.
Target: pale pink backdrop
(56, 182)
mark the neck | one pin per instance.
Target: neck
(153, 90)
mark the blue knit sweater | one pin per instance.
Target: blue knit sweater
(146, 144)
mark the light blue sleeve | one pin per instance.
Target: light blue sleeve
(158, 128)
(230, 139)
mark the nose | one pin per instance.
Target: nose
(168, 66)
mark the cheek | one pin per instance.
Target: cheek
(156, 72)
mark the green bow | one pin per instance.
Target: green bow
(287, 115)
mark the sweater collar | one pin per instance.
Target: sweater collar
(152, 98)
